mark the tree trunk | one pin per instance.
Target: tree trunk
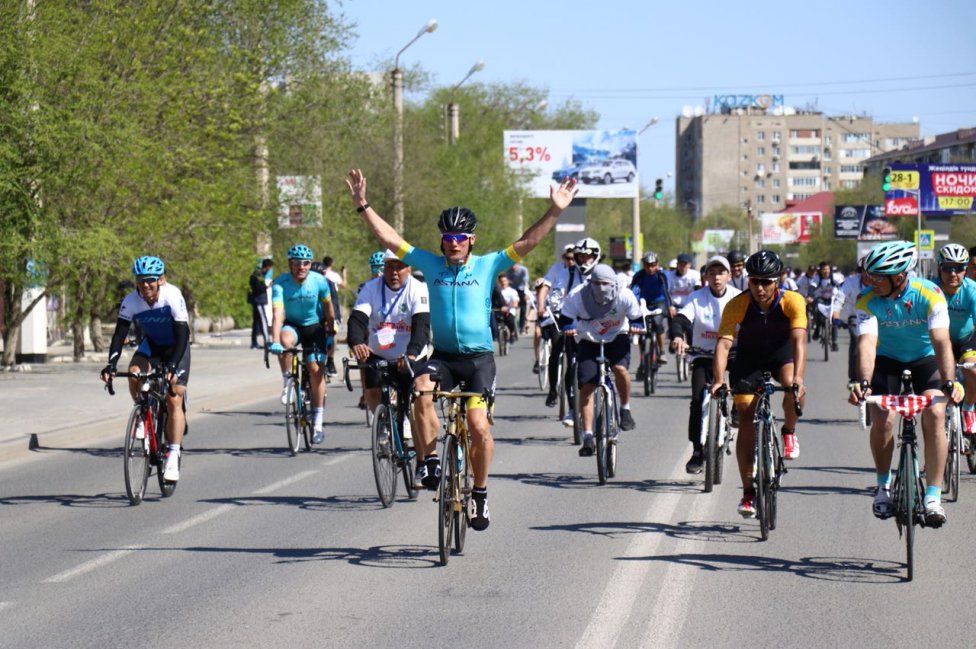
(78, 333)
(11, 337)
(98, 341)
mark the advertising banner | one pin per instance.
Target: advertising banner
(603, 162)
(299, 201)
(781, 228)
(937, 189)
(863, 223)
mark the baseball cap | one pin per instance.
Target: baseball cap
(720, 260)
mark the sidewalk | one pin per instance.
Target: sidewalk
(62, 403)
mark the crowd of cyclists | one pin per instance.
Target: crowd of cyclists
(434, 315)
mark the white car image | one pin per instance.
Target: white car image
(607, 171)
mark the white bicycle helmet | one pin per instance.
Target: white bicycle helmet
(588, 246)
(953, 253)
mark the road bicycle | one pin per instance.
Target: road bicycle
(141, 454)
(453, 495)
(823, 325)
(298, 406)
(391, 454)
(968, 451)
(716, 426)
(606, 416)
(568, 387)
(767, 460)
(907, 489)
(649, 361)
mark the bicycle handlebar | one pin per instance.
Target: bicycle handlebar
(380, 364)
(141, 376)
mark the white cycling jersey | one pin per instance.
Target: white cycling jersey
(390, 314)
(681, 286)
(704, 310)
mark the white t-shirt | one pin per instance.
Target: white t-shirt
(704, 311)
(390, 313)
(681, 286)
(846, 299)
(511, 297)
(615, 322)
(334, 277)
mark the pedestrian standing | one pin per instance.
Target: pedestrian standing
(257, 297)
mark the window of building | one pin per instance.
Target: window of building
(849, 184)
(775, 167)
(777, 136)
(826, 185)
(801, 197)
(851, 169)
(855, 153)
(761, 198)
(776, 152)
(760, 135)
(856, 137)
(775, 198)
(805, 149)
(827, 170)
(760, 168)
(805, 133)
(760, 183)
(828, 140)
(760, 151)
(804, 181)
(776, 183)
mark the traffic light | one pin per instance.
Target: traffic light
(886, 179)
(658, 189)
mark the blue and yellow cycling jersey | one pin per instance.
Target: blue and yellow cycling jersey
(301, 300)
(902, 325)
(460, 296)
(962, 310)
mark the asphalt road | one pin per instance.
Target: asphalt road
(260, 549)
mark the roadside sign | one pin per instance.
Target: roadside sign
(925, 239)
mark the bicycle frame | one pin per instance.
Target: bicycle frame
(150, 408)
(299, 422)
(768, 465)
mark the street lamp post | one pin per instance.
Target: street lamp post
(397, 79)
(453, 110)
(635, 212)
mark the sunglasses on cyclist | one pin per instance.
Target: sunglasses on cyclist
(301, 263)
(761, 282)
(455, 238)
(147, 280)
(952, 268)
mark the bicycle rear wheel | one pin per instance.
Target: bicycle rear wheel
(306, 417)
(775, 461)
(761, 481)
(384, 464)
(577, 429)
(971, 458)
(406, 461)
(653, 367)
(905, 502)
(447, 498)
(293, 422)
(165, 486)
(951, 478)
(646, 365)
(600, 431)
(136, 459)
(465, 482)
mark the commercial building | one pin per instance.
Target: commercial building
(759, 158)
(955, 147)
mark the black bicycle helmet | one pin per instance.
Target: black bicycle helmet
(457, 219)
(764, 264)
(736, 257)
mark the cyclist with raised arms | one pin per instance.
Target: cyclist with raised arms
(960, 293)
(606, 311)
(460, 284)
(302, 305)
(769, 326)
(159, 310)
(390, 321)
(903, 323)
(698, 321)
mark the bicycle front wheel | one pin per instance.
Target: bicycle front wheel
(600, 432)
(646, 364)
(136, 458)
(447, 498)
(384, 464)
(545, 348)
(711, 445)
(906, 485)
(306, 418)
(465, 482)
(293, 422)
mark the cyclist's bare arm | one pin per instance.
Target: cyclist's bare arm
(561, 197)
(382, 230)
(720, 361)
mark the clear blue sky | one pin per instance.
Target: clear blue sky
(631, 60)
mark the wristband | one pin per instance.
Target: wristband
(362, 208)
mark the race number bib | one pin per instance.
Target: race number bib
(386, 336)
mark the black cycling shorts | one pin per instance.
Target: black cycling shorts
(964, 347)
(312, 338)
(887, 375)
(617, 352)
(156, 354)
(745, 374)
(475, 372)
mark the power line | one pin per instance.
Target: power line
(642, 97)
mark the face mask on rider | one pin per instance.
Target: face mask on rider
(603, 292)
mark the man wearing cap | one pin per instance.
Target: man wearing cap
(601, 310)
(390, 321)
(698, 321)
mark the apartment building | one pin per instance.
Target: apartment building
(760, 158)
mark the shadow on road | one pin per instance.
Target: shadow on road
(377, 556)
(312, 503)
(100, 501)
(843, 569)
(708, 531)
(577, 481)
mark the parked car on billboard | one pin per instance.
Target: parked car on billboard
(607, 171)
(571, 171)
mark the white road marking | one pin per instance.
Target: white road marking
(4, 605)
(283, 483)
(95, 563)
(202, 517)
(620, 596)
